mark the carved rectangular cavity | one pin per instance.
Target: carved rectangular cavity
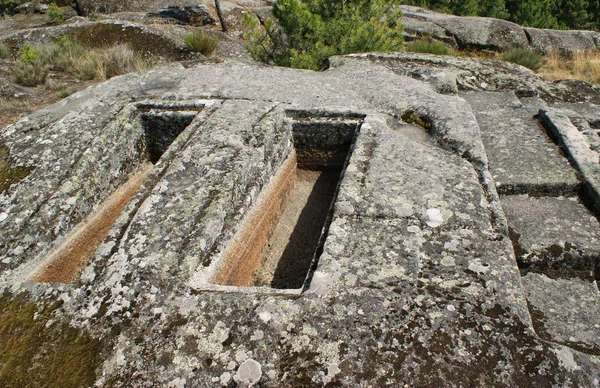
(161, 128)
(156, 129)
(281, 238)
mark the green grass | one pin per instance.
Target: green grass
(427, 46)
(201, 42)
(38, 349)
(524, 57)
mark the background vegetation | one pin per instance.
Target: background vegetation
(556, 14)
(313, 30)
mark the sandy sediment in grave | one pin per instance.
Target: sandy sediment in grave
(243, 255)
(65, 261)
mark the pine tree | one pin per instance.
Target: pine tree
(313, 30)
(494, 9)
(465, 8)
(573, 14)
(533, 13)
(593, 11)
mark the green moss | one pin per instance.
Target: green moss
(412, 118)
(38, 349)
(9, 174)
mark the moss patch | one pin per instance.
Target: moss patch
(412, 118)
(9, 174)
(38, 349)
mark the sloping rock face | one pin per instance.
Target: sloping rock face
(146, 40)
(493, 34)
(428, 273)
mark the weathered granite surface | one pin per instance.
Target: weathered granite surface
(493, 34)
(467, 32)
(146, 40)
(450, 75)
(418, 282)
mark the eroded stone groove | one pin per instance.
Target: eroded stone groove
(282, 236)
(65, 261)
(159, 130)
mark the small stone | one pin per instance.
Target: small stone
(434, 218)
(249, 372)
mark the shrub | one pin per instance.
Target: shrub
(63, 93)
(60, 55)
(4, 51)
(523, 57)
(29, 73)
(428, 46)
(313, 30)
(56, 15)
(68, 55)
(201, 42)
(28, 70)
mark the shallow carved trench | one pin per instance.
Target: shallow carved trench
(63, 263)
(281, 238)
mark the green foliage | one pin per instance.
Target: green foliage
(56, 15)
(201, 42)
(28, 54)
(574, 14)
(313, 30)
(63, 93)
(524, 57)
(61, 54)
(7, 6)
(428, 46)
(29, 73)
(534, 13)
(39, 349)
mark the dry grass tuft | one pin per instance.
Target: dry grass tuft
(201, 42)
(105, 63)
(581, 66)
(67, 55)
(4, 51)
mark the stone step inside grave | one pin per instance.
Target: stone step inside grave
(523, 159)
(552, 232)
(566, 311)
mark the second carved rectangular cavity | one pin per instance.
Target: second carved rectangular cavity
(281, 238)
